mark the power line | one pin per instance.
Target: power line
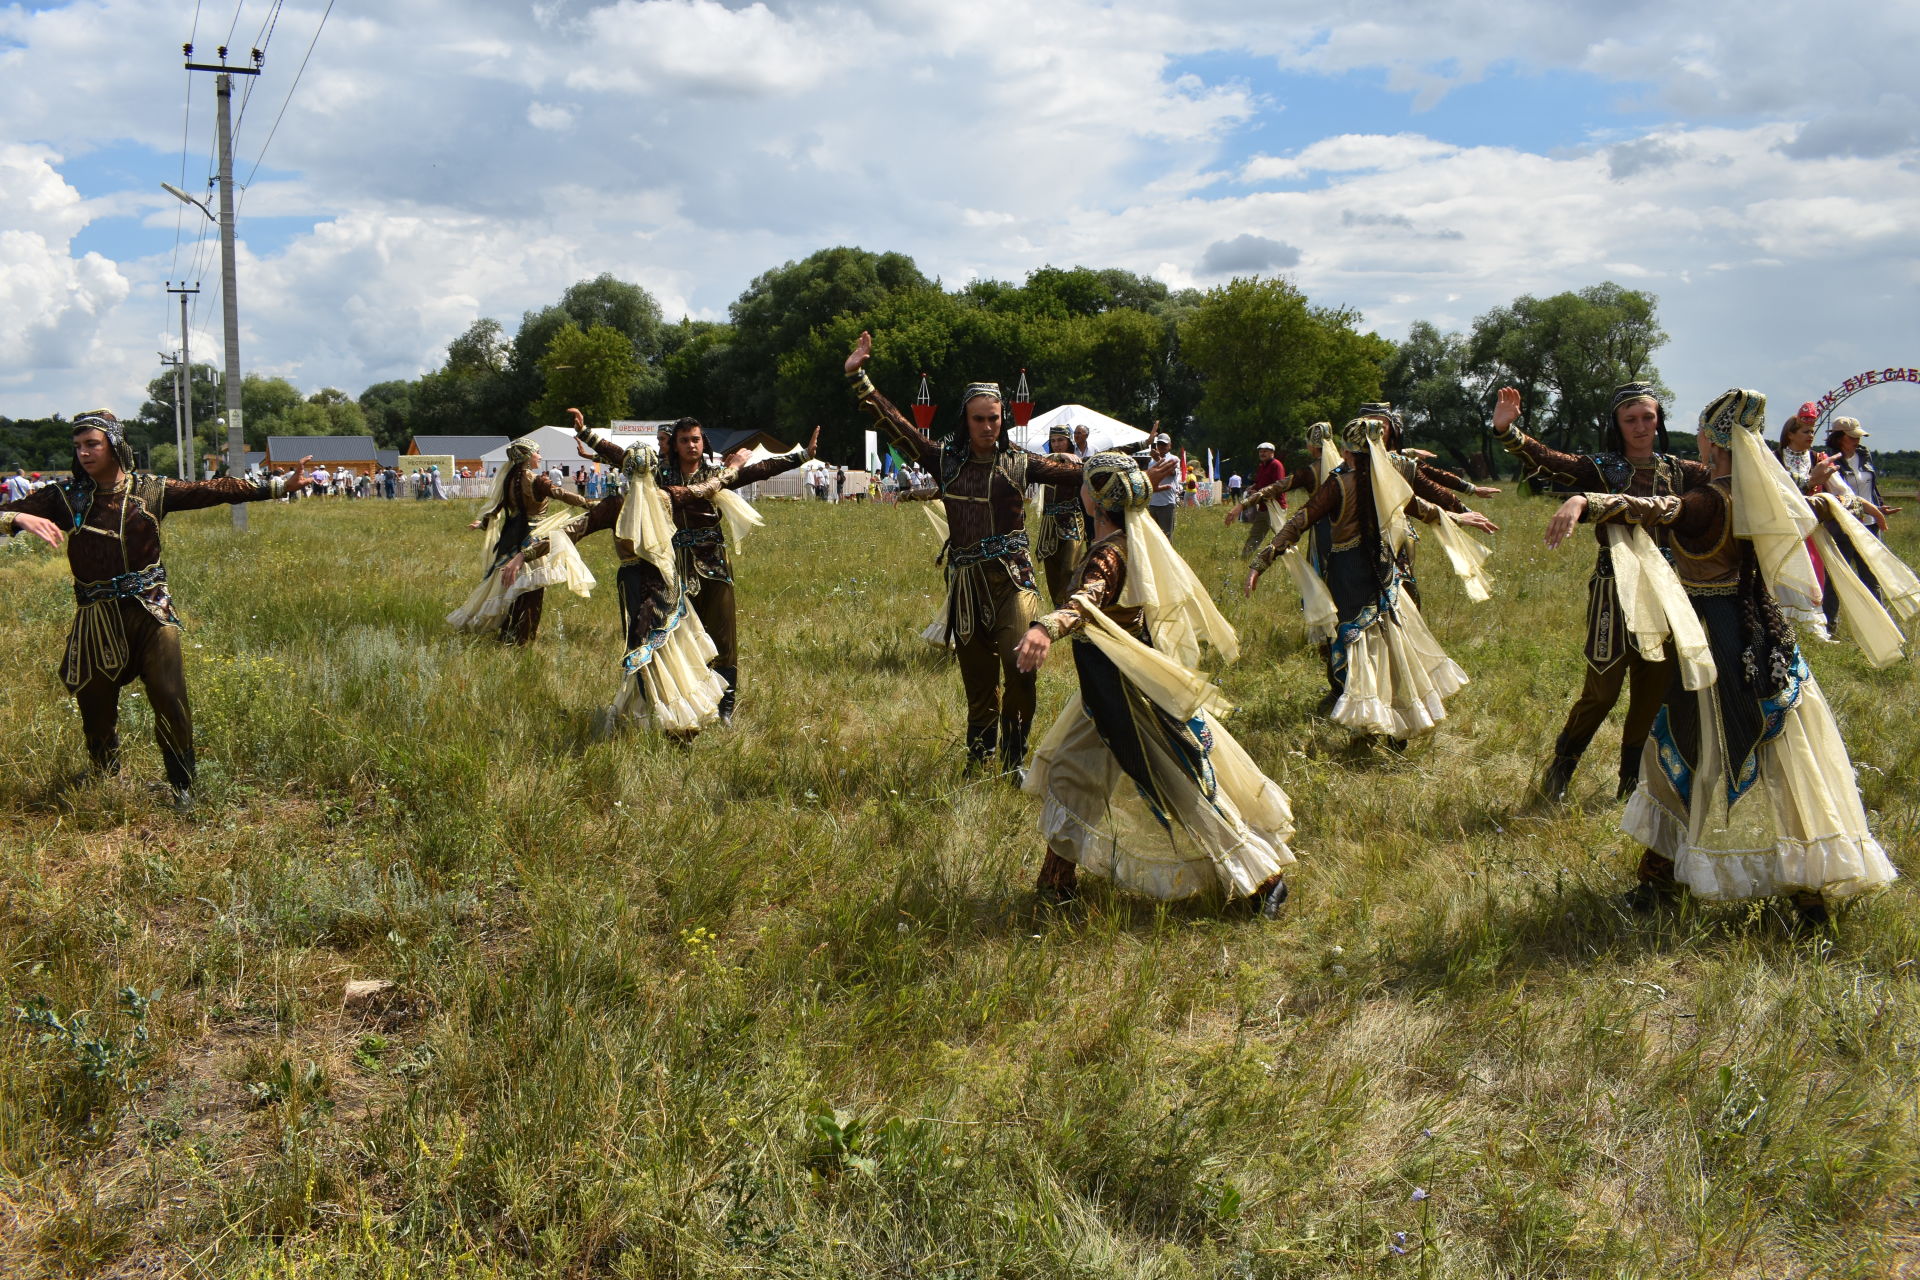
(186, 119)
(289, 98)
(261, 39)
(235, 24)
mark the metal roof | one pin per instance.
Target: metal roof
(284, 449)
(458, 446)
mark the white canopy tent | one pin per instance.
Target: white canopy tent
(556, 449)
(1102, 432)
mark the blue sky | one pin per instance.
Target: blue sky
(1754, 165)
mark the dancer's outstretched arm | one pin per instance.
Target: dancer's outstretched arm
(899, 428)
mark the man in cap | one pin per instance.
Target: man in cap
(1270, 472)
(1853, 463)
(1634, 462)
(125, 627)
(1163, 470)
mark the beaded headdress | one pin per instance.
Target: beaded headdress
(1625, 394)
(1118, 484)
(1732, 409)
(1358, 432)
(106, 424)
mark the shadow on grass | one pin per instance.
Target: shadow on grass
(1486, 938)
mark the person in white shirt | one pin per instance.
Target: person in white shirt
(1164, 471)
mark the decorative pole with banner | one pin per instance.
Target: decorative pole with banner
(1022, 404)
(923, 407)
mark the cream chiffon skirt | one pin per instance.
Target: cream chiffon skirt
(671, 688)
(1398, 677)
(487, 604)
(1801, 824)
(1094, 816)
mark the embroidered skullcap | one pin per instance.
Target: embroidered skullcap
(1267, 445)
(980, 389)
(1359, 431)
(1732, 409)
(1059, 431)
(1809, 411)
(1628, 392)
(1379, 409)
(101, 420)
(522, 449)
(1118, 483)
(1318, 432)
(1850, 427)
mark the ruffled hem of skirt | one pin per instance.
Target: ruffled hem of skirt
(1837, 865)
(1238, 870)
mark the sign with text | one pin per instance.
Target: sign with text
(1860, 382)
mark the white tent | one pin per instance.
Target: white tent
(556, 449)
(1102, 432)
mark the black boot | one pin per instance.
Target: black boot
(980, 743)
(1657, 887)
(1558, 777)
(1567, 750)
(732, 676)
(180, 776)
(1268, 899)
(1629, 771)
(1013, 748)
(1336, 682)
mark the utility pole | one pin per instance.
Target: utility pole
(183, 437)
(229, 305)
(177, 362)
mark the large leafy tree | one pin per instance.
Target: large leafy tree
(388, 407)
(782, 308)
(1271, 363)
(588, 369)
(605, 302)
(1428, 379)
(1566, 353)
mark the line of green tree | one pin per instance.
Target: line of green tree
(1249, 360)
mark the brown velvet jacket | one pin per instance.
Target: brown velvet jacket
(119, 532)
(1096, 583)
(983, 498)
(1336, 497)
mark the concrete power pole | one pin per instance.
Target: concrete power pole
(183, 437)
(229, 305)
(174, 362)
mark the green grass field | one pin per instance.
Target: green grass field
(782, 1004)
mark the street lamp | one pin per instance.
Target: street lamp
(184, 198)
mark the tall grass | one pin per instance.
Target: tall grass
(781, 1003)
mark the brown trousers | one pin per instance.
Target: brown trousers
(1059, 568)
(1647, 690)
(987, 663)
(522, 622)
(714, 604)
(153, 657)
